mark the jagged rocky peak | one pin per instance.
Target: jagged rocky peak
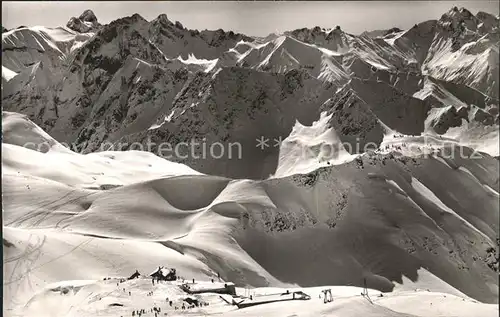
(457, 13)
(317, 30)
(77, 25)
(88, 16)
(489, 22)
(485, 16)
(86, 22)
(110, 31)
(162, 19)
(458, 17)
(316, 34)
(219, 37)
(335, 33)
(179, 25)
(134, 18)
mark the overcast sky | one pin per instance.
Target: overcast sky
(252, 18)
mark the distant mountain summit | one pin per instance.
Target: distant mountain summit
(86, 22)
(380, 33)
(134, 79)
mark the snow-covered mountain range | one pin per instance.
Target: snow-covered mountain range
(408, 200)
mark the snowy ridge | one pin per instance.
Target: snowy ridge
(53, 46)
(370, 155)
